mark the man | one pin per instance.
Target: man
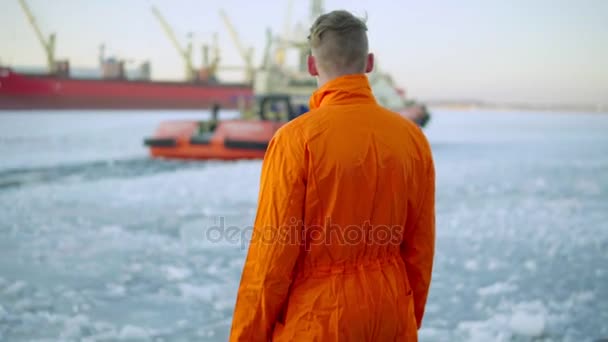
(343, 240)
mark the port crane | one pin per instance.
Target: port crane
(48, 44)
(246, 53)
(208, 70)
(289, 40)
(316, 9)
(280, 51)
(185, 53)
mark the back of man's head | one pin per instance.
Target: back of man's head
(339, 46)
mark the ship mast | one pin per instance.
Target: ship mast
(280, 54)
(246, 54)
(316, 9)
(185, 53)
(266, 61)
(211, 67)
(47, 44)
(216, 57)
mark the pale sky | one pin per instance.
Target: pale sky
(551, 51)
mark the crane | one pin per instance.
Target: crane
(280, 52)
(47, 44)
(316, 9)
(246, 54)
(289, 41)
(266, 60)
(186, 53)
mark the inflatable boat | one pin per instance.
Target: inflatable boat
(245, 138)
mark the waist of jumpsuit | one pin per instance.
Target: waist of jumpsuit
(363, 264)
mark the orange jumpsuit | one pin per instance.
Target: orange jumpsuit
(344, 236)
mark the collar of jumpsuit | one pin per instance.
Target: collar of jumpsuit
(348, 89)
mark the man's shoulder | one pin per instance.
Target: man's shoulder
(292, 132)
(409, 128)
(289, 129)
(298, 126)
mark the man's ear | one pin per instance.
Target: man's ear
(312, 66)
(370, 63)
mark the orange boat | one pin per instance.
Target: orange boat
(245, 138)
(226, 139)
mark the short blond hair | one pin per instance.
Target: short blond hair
(338, 40)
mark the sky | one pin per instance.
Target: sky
(533, 51)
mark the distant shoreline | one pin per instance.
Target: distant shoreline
(556, 110)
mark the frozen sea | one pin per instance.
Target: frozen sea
(100, 243)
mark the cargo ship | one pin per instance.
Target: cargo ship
(57, 88)
(19, 91)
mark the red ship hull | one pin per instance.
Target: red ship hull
(22, 91)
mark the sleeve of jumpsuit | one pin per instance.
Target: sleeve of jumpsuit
(275, 241)
(418, 247)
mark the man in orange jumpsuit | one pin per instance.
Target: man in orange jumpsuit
(343, 240)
